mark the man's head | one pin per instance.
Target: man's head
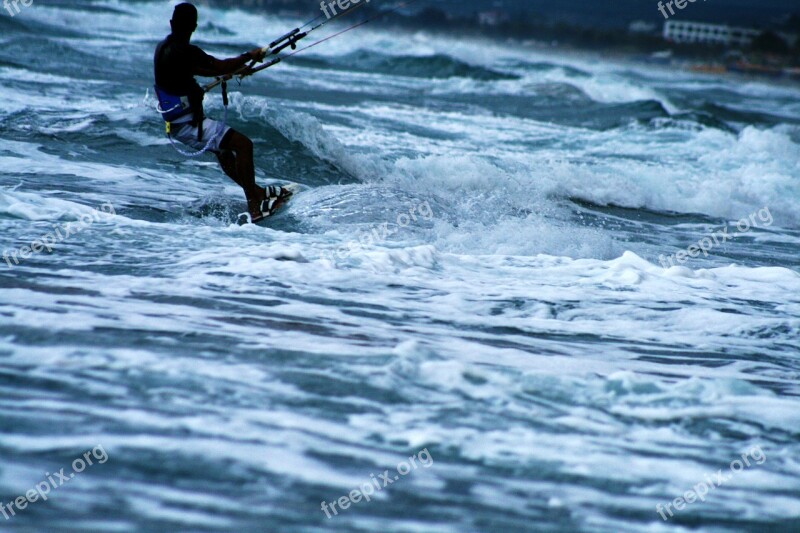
(184, 20)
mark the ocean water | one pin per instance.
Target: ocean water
(568, 287)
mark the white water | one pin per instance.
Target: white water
(525, 333)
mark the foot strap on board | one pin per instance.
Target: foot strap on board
(275, 197)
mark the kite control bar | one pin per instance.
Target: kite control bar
(275, 47)
(278, 41)
(290, 37)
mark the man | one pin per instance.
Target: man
(177, 62)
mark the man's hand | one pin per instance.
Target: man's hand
(257, 54)
(246, 72)
(223, 67)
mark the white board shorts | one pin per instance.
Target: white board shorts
(184, 132)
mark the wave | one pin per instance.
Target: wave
(610, 88)
(728, 114)
(693, 120)
(437, 66)
(713, 172)
(481, 207)
(636, 166)
(547, 66)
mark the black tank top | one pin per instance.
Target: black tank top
(175, 64)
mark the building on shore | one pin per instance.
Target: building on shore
(698, 32)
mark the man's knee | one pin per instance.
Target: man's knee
(239, 143)
(236, 142)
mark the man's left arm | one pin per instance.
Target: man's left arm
(209, 66)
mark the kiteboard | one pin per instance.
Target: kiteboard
(272, 206)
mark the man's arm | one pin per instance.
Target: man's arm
(212, 66)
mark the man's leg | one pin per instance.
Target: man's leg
(227, 160)
(236, 159)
